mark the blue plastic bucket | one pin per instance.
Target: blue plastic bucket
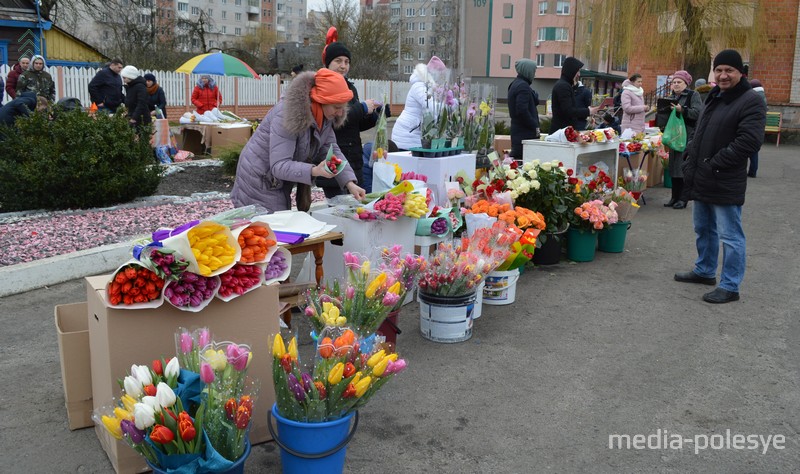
(312, 447)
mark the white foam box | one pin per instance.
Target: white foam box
(119, 338)
(439, 170)
(574, 155)
(364, 237)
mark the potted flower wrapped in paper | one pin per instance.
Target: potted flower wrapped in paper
(547, 188)
(313, 409)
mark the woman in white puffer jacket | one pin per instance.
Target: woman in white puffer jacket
(407, 131)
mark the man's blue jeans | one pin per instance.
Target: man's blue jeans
(712, 224)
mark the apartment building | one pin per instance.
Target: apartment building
(425, 28)
(221, 23)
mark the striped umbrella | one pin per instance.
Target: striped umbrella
(220, 64)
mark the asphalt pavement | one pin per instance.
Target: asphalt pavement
(589, 354)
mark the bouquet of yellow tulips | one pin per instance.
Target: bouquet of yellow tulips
(343, 378)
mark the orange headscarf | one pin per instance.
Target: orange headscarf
(329, 88)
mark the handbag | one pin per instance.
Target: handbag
(675, 132)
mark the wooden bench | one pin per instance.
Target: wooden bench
(774, 123)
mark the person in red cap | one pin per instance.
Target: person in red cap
(294, 135)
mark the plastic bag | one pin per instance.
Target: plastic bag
(675, 132)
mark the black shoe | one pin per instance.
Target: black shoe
(692, 277)
(751, 175)
(679, 205)
(670, 203)
(720, 295)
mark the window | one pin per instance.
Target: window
(237, 31)
(210, 13)
(540, 60)
(195, 10)
(182, 7)
(508, 10)
(410, 26)
(558, 59)
(542, 8)
(407, 69)
(408, 40)
(432, 42)
(144, 19)
(421, 40)
(506, 35)
(505, 61)
(263, 13)
(238, 3)
(407, 56)
(562, 8)
(409, 12)
(224, 30)
(105, 34)
(421, 56)
(422, 26)
(396, 11)
(551, 33)
(421, 12)
(434, 11)
(224, 2)
(224, 14)
(238, 16)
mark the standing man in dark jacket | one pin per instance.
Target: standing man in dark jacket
(566, 110)
(105, 89)
(522, 102)
(729, 130)
(136, 97)
(583, 98)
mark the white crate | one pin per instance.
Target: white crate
(365, 238)
(438, 170)
(573, 155)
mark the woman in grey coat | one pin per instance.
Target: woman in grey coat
(291, 143)
(689, 106)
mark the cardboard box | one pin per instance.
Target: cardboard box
(502, 143)
(226, 136)
(192, 140)
(119, 338)
(72, 326)
(365, 238)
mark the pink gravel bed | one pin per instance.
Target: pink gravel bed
(64, 232)
(59, 233)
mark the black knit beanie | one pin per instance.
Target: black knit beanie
(729, 57)
(334, 50)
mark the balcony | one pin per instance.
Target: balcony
(251, 10)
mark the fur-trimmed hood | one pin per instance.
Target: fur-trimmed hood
(297, 115)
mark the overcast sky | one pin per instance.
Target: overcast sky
(316, 5)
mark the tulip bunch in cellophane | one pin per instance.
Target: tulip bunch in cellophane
(184, 420)
(151, 417)
(343, 378)
(457, 269)
(230, 396)
(404, 268)
(362, 300)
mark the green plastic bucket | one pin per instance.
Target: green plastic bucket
(581, 245)
(612, 239)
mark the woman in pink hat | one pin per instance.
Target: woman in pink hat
(688, 105)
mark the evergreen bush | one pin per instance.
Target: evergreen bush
(73, 160)
(230, 159)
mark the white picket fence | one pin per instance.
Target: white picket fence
(74, 82)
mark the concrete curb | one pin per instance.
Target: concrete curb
(50, 271)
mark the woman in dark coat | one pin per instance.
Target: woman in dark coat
(689, 106)
(361, 115)
(522, 102)
(155, 96)
(135, 97)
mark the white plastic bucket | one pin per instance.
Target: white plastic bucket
(501, 287)
(478, 301)
(446, 319)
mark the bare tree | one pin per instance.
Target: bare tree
(369, 35)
